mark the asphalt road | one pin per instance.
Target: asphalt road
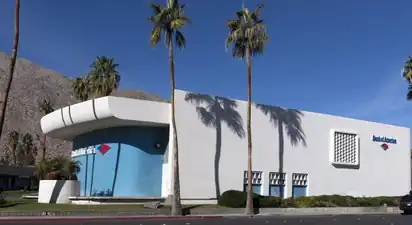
(388, 219)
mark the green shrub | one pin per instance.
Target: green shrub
(270, 202)
(3, 201)
(289, 203)
(237, 199)
(303, 202)
(336, 200)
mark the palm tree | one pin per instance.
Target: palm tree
(407, 75)
(26, 150)
(169, 21)
(247, 37)
(103, 77)
(42, 169)
(65, 168)
(71, 168)
(46, 107)
(14, 140)
(81, 88)
(12, 64)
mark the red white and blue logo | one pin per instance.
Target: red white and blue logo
(385, 146)
(103, 148)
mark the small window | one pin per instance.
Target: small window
(257, 180)
(277, 184)
(299, 185)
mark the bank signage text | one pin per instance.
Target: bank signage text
(84, 151)
(384, 139)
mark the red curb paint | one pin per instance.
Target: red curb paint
(79, 219)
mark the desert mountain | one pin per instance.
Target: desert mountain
(31, 85)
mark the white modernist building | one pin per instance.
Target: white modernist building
(123, 146)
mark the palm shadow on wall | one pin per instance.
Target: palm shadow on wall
(285, 120)
(215, 111)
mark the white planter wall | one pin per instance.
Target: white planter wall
(58, 191)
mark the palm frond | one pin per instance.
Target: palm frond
(103, 78)
(246, 32)
(155, 35)
(256, 13)
(180, 40)
(46, 106)
(157, 8)
(168, 22)
(407, 70)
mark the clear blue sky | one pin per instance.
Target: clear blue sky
(341, 57)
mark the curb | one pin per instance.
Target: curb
(78, 219)
(198, 213)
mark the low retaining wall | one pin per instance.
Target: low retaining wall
(57, 191)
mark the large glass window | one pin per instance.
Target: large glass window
(277, 183)
(299, 185)
(257, 180)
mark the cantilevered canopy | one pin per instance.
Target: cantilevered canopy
(71, 121)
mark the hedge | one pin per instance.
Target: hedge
(3, 201)
(237, 199)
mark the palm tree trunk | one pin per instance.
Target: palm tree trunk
(5, 96)
(176, 205)
(281, 157)
(249, 201)
(217, 155)
(14, 149)
(44, 147)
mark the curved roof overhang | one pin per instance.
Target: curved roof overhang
(68, 122)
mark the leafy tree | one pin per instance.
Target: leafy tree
(247, 38)
(407, 75)
(5, 96)
(46, 107)
(169, 21)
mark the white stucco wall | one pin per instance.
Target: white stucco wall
(58, 191)
(381, 173)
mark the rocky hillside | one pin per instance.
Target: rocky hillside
(33, 83)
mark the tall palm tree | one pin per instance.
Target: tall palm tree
(14, 140)
(12, 64)
(247, 37)
(46, 107)
(81, 88)
(169, 21)
(103, 77)
(407, 75)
